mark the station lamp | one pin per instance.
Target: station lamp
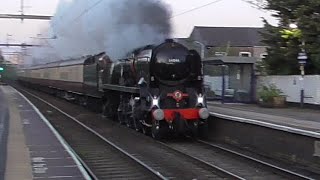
(1, 69)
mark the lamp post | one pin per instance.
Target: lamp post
(302, 59)
(202, 48)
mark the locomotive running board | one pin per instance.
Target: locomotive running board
(120, 88)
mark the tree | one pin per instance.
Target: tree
(282, 52)
(285, 43)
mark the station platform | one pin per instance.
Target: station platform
(297, 120)
(31, 148)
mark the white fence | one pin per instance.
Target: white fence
(291, 86)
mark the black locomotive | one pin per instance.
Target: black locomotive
(158, 89)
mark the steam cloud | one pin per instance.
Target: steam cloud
(85, 27)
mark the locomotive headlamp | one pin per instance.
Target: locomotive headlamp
(155, 102)
(204, 113)
(200, 100)
(158, 114)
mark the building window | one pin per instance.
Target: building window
(263, 55)
(245, 54)
(220, 54)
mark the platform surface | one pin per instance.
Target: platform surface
(294, 117)
(4, 121)
(34, 151)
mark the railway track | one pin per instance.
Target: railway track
(158, 160)
(104, 162)
(235, 163)
(101, 158)
(272, 167)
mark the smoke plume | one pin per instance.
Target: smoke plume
(84, 27)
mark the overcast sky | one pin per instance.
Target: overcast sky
(223, 13)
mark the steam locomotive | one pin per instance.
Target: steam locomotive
(158, 89)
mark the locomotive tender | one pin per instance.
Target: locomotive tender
(158, 89)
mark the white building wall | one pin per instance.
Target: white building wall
(291, 86)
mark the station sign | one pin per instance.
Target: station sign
(1, 68)
(302, 57)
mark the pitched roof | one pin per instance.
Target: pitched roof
(231, 60)
(220, 36)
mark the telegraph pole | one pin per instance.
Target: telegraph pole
(22, 7)
(23, 16)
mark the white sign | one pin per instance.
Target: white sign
(302, 56)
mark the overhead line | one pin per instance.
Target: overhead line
(196, 8)
(185, 12)
(94, 5)
(18, 45)
(24, 16)
(86, 11)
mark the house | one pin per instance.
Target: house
(227, 41)
(237, 49)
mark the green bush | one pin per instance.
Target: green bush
(267, 93)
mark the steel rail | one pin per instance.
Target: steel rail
(226, 173)
(286, 171)
(156, 173)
